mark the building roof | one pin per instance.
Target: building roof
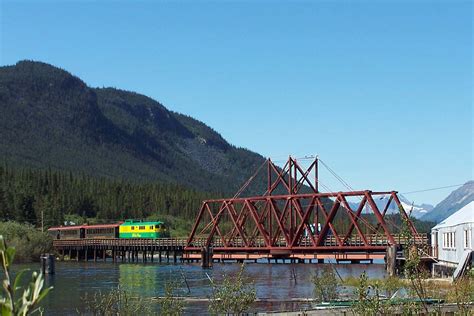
(84, 226)
(464, 215)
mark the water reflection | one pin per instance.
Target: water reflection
(273, 282)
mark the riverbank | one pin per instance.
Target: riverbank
(443, 309)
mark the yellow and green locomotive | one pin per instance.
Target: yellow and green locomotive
(139, 229)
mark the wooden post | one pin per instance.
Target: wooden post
(391, 260)
(206, 257)
(95, 254)
(47, 263)
(104, 254)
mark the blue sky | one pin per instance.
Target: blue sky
(381, 90)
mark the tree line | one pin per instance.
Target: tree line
(48, 197)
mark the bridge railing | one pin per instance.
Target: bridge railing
(330, 241)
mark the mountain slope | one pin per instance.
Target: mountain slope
(454, 202)
(50, 118)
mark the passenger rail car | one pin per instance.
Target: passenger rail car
(66, 232)
(101, 231)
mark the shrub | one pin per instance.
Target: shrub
(170, 304)
(29, 243)
(233, 296)
(116, 302)
(462, 294)
(325, 284)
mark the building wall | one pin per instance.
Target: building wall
(449, 242)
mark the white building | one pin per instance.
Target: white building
(453, 237)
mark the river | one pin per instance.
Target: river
(273, 282)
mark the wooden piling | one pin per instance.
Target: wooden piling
(391, 260)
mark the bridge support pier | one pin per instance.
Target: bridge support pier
(206, 257)
(391, 260)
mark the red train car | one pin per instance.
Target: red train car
(85, 231)
(67, 232)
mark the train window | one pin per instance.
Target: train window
(151, 227)
(133, 228)
(141, 227)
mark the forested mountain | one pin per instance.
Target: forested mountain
(51, 119)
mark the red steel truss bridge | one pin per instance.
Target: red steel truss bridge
(293, 220)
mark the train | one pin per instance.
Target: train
(129, 228)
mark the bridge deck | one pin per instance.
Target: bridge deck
(353, 249)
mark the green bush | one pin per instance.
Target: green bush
(115, 303)
(233, 296)
(325, 284)
(29, 242)
(171, 304)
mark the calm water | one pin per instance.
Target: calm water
(272, 281)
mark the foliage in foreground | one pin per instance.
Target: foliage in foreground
(233, 296)
(462, 294)
(325, 284)
(115, 303)
(170, 304)
(15, 299)
(418, 286)
(29, 242)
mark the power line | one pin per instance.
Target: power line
(433, 189)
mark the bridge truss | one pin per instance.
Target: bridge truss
(293, 217)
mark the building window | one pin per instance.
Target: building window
(467, 238)
(449, 240)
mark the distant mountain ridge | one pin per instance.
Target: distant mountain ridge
(454, 202)
(50, 118)
(417, 211)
